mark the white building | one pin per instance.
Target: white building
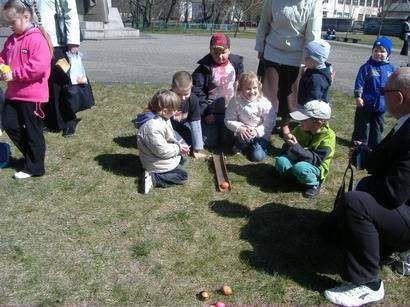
(359, 9)
(355, 9)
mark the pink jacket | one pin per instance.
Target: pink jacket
(29, 58)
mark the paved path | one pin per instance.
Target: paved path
(154, 58)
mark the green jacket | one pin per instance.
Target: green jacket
(317, 149)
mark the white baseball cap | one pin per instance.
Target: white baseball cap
(313, 109)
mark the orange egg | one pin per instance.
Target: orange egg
(226, 290)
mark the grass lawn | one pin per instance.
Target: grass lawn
(250, 33)
(82, 234)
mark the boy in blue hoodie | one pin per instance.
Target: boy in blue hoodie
(370, 81)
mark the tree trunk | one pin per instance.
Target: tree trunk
(171, 9)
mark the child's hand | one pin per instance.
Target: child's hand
(244, 133)
(184, 150)
(200, 155)
(359, 102)
(8, 76)
(290, 139)
(252, 132)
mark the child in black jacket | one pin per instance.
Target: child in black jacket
(213, 84)
(315, 81)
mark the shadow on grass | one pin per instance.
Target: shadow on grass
(343, 142)
(120, 164)
(126, 141)
(262, 175)
(285, 241)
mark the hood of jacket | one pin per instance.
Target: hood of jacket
(143, 117)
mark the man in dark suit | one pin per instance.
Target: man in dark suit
(375, 218)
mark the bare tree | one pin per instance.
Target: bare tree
(384, 7)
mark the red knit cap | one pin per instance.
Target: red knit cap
(220, 40)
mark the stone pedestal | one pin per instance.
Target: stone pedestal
(98, 20)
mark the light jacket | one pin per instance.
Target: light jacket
(285, 28)
(47, 11)
(29, 58)
(158, 148)
(317, 149)
(257, 114)
(371, 78)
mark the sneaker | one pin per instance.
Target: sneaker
(352, 295)
(21, 175)
(145, 182)
(69, 132)
(403, 265)
(236, 150)
(312, 191)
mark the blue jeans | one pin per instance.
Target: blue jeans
(216, 134)
(176, 176)
(304, 172)
(368, 127)
(255, 149)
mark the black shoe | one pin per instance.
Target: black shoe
(312, 191)
(68, 132)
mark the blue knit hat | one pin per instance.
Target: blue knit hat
(384, 42)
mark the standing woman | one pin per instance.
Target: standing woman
(405, 36)
(58, 116)
(284, 29)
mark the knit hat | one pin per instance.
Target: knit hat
(318, 50)
(313, 109)
(384, 42)
(220, 40)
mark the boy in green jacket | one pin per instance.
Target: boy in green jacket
(307, 151)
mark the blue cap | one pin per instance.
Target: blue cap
(384, 42)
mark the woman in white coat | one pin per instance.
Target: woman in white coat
(284, 29)
(58, 116)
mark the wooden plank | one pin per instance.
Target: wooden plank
(221, 173)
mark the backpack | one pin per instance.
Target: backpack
(4, 154)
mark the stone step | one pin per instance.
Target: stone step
(111, 34)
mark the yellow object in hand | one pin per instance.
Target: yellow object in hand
(5, 69)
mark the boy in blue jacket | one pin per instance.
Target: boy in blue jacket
(213, 84)
(370, 108)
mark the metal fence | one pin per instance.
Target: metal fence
(189, 26)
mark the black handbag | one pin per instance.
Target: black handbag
(61, 28)
(342, 188)
(78, 97)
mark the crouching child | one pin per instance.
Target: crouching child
(162, 157)
(308, 150)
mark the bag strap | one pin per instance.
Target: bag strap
(342, 188)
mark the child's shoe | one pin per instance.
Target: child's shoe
(145, 183)
(312, 191)
(21, 175)
(236, 150)
(403, 266)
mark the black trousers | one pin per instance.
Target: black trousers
(367, 230)
(58, 115)
(25, 129)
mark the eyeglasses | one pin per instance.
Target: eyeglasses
(384, 91)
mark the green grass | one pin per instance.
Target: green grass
(250, 33)
(83, 235)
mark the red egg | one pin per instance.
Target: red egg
(224, 185)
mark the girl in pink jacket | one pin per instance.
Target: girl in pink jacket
(25, 64)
